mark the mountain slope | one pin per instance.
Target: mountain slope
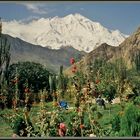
(52, 59)
(72, 30)
(127, 50)
(130, 47)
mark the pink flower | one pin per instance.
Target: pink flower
(14, 135)
(62, 126)
(72, 60)
(62, 129)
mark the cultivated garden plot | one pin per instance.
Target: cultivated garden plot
(95, 105)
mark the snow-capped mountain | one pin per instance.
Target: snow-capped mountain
(73, 30)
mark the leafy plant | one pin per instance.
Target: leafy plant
(130, 122)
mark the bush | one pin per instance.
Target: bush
(130, 121)
(137, 100)
(116, 123)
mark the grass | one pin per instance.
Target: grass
(6, 131)
(108, 115)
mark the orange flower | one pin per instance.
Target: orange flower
(78, 110)
(127, 97)
(54, 94)
(55, 103)
(97, 81)
(15, 81)
(82, 126)
(73, 70)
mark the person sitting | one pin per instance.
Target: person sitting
(63, 104)
(100, 101)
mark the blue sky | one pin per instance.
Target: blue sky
(124, 16)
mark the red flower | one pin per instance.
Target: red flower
(78, 110)
(72, 60)
(62, 126)
(127, 97)
(81, 126)
(97, 81)
(26, 90)
(74, 69)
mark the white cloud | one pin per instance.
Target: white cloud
(28, 19)
(35, 8)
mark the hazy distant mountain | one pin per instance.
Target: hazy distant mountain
(52, 59)
(73, 30)
(127, 50)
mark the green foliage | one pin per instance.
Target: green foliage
(35, 73)
(110, 92)
(137, 61)
(4, 57)
(4, 64)
(137, 101)
(80, 78)
(116, 123)
(130, 121)
(62, 82)
(98, 63)
(52, 83)
(111, 77)
(19, 126)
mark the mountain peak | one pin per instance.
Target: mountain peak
(77, 15)
(72, 30)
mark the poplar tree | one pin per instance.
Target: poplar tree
(4, 64)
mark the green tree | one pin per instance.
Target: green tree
(62, 82)
(36, 75)
(137, 61)
(4, 64)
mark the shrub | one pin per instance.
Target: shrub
(130, 121)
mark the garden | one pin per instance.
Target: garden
(36, 102)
